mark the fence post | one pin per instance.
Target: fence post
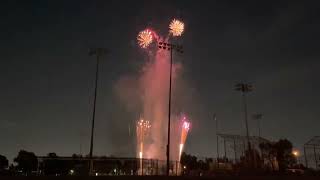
(305, 156)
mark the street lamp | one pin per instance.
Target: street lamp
(98, 52)
(245, 88)
(179, 49)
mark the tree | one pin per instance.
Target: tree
(27, 161)
(281, 151)
(284, 156)
(3, 162)
(188, 161)
(268, 153)
(52, 155)
(53, 166)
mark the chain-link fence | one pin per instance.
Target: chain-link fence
(106, 166)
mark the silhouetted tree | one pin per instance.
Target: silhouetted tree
(27, 161)
(269, 153)
(189, 161)
(3, 162)
(76, 156)
(284, 156)
(281, 151)
(250, 160)
(52, 155)
(53, 166)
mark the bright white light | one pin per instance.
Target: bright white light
(295, 153)
(71, 171)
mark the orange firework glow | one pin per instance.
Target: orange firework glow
(184, 134)
(176, 27)
(143, 127)
(145, 38)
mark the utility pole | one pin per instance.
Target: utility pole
(98, 52)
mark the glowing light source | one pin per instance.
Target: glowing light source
(176, 27)
(180, 150)
(145, 38)
(295, 153)
(71, 172)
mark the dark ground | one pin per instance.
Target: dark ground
(161, 178)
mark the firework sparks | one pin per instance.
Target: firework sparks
(186, 125)
(184, 133)
(145, 38)
(142, 130)
(143, 127)
(176, 27)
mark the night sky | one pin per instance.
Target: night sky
(47, 77)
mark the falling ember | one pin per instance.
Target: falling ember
(145, 38)
(176, 27)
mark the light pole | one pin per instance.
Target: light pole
(215, 119)
(246, 88)
(177, 48)
(258, 117)
(97, 52)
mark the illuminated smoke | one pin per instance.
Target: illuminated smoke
(148, 94)
(143, 128)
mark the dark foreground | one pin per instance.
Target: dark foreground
(160, 178)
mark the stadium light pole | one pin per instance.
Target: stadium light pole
(258, 117)
(98, 52)
(177, 48)
(245, 88)
(216, 121)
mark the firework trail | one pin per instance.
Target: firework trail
(184, 133)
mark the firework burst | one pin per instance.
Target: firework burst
(145, 38)
(176, 27)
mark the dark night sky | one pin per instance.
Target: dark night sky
(47, 77)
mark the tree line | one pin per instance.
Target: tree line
(279, 151)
